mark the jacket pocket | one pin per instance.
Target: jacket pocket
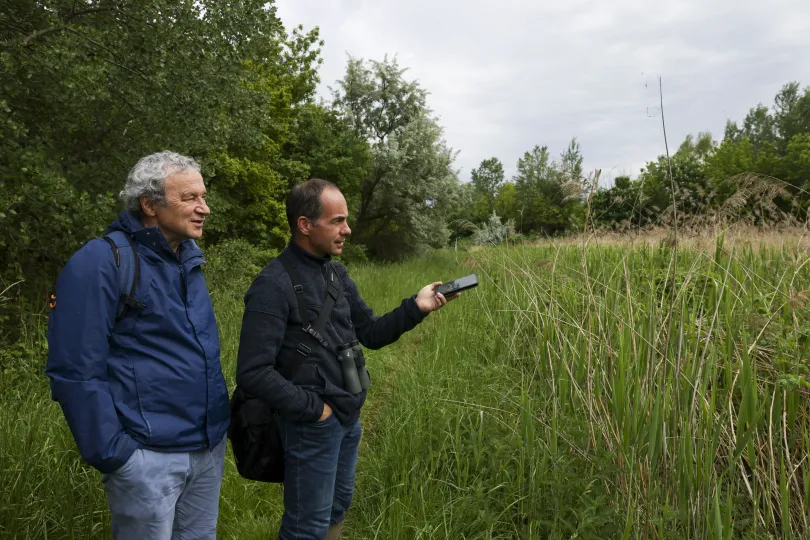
(329, 388)
(139, 393)
(129, 464)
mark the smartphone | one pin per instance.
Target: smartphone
(458, 285)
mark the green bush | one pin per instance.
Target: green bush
(232, 265)
(353, 254)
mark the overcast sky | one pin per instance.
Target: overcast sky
(505, 75)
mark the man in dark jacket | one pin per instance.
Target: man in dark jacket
(301, 378)
(144, 395)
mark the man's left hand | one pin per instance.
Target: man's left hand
(428, 300)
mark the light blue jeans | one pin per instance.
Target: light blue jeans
(163, 496)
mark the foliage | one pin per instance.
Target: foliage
(232, 265)
(326, 143)
(459, 214)
(486, 179)
(409, 189)
(89, 87)
(544, 189)
(493, 231)
(506, 201)
(758, 174)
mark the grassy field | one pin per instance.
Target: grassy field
(579, 392)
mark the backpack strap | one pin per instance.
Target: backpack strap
(333, 292)
(126, 259)
(296, 283)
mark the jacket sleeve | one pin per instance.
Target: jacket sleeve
(79, 327)
(376, 332)
(264, 324)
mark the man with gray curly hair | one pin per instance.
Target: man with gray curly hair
(134, 358)
(147, 182)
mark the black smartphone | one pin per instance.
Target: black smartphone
(458, 285)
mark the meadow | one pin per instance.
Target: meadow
(584, 390)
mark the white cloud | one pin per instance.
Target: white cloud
(504, 76)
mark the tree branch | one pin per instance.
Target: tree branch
(69, 17)
(367, 195)
(99, 9)
(112, 60)
(39, 33)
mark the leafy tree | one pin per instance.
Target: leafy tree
(693, 196)
(506, 202)
(791, 114)
(620, 207)
(486, 179)
(730, 158)
(330, 148)
(796, 164)
(89, 87)
(459, 216)
(540, 190)
(481, 208)
(701, 148)
(410, 187)
(571, 163)
(732, 132)
(759, 127)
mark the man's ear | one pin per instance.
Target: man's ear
(304, 225)
(148, 206)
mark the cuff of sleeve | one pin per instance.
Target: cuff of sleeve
(413, 311)
(317, 410)
(128, 445)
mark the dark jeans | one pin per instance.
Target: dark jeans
(320, 460)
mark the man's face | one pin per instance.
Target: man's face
(328, 233)
(183, 214)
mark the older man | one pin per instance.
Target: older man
(134, 360)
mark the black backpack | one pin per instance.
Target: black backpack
(253, 431)
(126, 259)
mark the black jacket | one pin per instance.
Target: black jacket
(271, 331)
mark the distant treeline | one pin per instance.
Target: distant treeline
(758, 174)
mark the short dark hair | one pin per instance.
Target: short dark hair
(305, 200)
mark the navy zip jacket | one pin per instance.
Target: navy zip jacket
(151, 380)
(271, 331)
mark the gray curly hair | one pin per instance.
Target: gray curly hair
(148, 177)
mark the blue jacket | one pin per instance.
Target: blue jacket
(151, 380)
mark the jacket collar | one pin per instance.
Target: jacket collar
(305, 257)
(152, 237)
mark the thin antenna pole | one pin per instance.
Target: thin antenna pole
(669, 164)
(673, 187)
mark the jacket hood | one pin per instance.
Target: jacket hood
(152, 237)
(126, 222)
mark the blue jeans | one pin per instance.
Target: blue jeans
(167, 496)
(320, 460)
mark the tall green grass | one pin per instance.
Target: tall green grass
(577, 392)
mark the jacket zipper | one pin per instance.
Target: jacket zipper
(205, 355)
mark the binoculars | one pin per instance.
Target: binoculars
(353, 364)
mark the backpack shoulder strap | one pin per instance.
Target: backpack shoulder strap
(333, 291)
(126, 259)
(296, 283)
